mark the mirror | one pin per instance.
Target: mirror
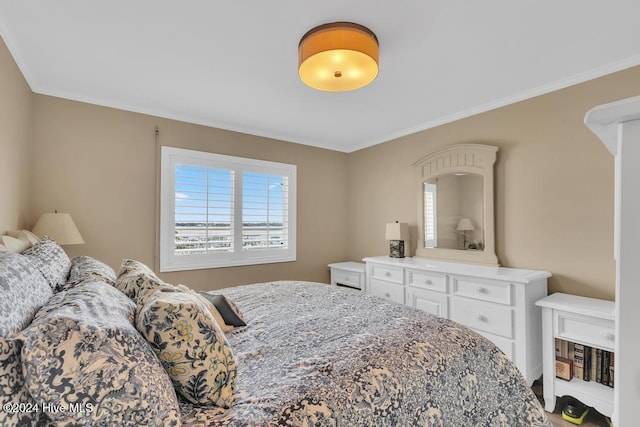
(455, 204)
(453, 212)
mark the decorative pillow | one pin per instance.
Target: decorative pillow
(131, 275)
(138, 282)
(84, 355)
(24, 235)
(85, 268)
(191, 346)
(51, 260)
(14, 244)
(227, 309)
(24, 290)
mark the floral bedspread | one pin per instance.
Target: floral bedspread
(318, 355)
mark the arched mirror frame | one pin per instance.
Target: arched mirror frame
(468, 158)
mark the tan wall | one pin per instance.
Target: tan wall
(554, 182)
(554, 185)
(99, 164)
(16, 118)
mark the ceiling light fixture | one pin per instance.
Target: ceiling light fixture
(338, 57)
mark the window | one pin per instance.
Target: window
(221, 211)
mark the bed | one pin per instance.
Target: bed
(318, 355)
(310, 354)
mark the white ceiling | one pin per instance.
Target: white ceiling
(233, 64)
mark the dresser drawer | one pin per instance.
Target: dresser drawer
(427, 280)
(390, 274)
(492, 318)
(486, 290)
(348, 278)
(587, 330)
(434, 303)
(391, 291)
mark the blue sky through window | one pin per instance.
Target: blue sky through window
(206, 195)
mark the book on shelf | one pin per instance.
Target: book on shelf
(578, 360)
(564, 368)
(564, 349)
(611, 365)
(594, 364)
(587, 363)
(574, 360)
(605, 367)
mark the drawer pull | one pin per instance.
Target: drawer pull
(608, 336)
(428, 282)
(388, 295)
(482, 318)
(482, 290)
(388, 274)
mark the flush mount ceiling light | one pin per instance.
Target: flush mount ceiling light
(338, 57)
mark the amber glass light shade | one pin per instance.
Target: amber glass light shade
(338, 57)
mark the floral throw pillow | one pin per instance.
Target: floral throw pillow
(138, 282)
(51, 260)
(83, 354)
(85, 268)
(23, 290)
(135, 278)
(191, 346)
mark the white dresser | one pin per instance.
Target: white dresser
(497, 302)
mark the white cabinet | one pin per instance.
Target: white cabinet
(349, 274)
(581, 320)
(618, 126)
(497, 302)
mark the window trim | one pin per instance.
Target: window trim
(170, 157)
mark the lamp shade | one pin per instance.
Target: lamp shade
(465, 224)
(338, 57)
(60, 227)
(397, 231)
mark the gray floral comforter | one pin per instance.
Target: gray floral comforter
(318, 355)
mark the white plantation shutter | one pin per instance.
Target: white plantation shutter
(430, 211)
(220, 210)
(265, 209)
(203, 208)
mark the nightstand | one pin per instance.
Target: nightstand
(349, 274)
(579, 320)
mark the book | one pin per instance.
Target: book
(570, 349)
(587, 363)
(564, 349)
(558, 347)
(611, 369)
(578, 361)
(594, 363)
(605, 367)
(564, 368)
(598, 365)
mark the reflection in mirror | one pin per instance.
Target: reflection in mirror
(453, 208)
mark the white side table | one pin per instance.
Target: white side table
(349, 274)
(581, 320)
